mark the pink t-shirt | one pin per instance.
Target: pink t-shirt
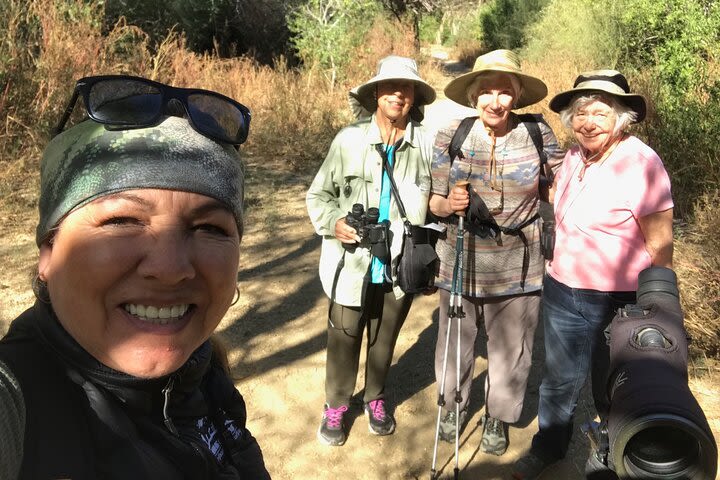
(599, 244)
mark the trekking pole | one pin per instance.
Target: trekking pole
(455, 312)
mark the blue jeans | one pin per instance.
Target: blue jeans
(574, 320)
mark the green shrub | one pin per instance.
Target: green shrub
(565, 29)
(326, 31)
(669, 50)
(224, 27)
(504, 22)
(465, 27)
(685, 135)
(430, 28)
(675, 37)
(678, 42)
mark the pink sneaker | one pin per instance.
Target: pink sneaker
(332, 429)
(380, 422)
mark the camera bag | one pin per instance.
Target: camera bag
(418, 262)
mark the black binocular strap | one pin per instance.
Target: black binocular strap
(340, 266)
(366, 281)
(458, 138)
(518, 231)
(393, 186)
(530, 120)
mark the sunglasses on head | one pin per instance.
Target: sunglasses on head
(135, 102)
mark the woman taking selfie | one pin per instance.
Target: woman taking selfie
(111, 373)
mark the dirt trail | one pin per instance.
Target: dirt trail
(276, 334)
(278, 331)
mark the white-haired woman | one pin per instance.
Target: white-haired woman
(613, 216)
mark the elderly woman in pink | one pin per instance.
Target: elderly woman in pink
(613, 215)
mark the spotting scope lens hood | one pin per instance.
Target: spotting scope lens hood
(657, 281)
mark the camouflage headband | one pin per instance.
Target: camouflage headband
(89, 161)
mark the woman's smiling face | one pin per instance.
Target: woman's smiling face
(494, 99)
(141, 278)
(395, 98)
(594, 125)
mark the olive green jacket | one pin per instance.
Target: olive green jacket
(352, 173)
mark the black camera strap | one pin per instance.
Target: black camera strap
(393, 186)
(366, 282)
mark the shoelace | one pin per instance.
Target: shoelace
(450, 418)
(334, 416)
(494, 426)
(378, 409)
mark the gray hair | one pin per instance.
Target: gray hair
(484, 76)
(625, 115)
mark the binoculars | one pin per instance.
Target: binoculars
(655, 428)
(373, 234)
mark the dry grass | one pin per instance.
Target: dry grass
(467, 50)
(697, 262)
(558, 78)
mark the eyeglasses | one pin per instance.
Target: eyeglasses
(135, 102)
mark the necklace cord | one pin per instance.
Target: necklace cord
(597, 157)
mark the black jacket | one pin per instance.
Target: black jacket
(87, 421)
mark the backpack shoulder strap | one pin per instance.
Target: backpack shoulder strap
(531, 121)
(458, 138)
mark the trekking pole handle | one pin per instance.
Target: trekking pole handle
(461, 184)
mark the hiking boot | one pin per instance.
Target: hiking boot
(529, 467)
(332, 430)
(379, 421)
(494, 438)
(449, 423)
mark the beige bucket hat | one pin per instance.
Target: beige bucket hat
(606, 81)
(504, 61)
(394, 67)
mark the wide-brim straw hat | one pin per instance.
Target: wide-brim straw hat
(395, 67)
(606, 81)
(503, 61)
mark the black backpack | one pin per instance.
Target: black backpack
(530, 120)
(479, 220)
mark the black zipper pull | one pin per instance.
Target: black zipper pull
(166, 392)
